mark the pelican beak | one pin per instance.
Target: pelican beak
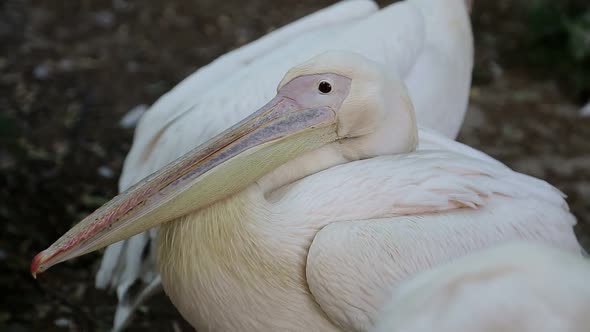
(279, 131)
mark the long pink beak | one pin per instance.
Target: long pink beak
(204, 175)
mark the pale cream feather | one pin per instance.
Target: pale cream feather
(516, 287)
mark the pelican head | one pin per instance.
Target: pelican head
(336, 99)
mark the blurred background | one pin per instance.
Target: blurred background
(70, 72)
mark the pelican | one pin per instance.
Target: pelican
(515, 287)
(429, 42)
(307, 213)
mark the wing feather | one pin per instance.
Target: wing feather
(399, 215)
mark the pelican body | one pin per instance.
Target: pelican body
(306, 214)
(428, 44)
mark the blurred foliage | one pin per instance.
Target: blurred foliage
(8, 127)
(9, 134)
(558, 37)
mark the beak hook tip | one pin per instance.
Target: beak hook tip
(36, 265)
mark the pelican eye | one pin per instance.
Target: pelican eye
(325, 87)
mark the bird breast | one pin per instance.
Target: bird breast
(240, 256)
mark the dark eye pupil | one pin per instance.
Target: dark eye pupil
(325, 87)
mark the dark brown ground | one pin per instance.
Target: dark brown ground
(69, 70)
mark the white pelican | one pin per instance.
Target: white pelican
(307, 213)
(516, 287)
(427, 42)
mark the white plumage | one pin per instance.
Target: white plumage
(369, 225)
(306, 214)
(427, 43)
(516, 287)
